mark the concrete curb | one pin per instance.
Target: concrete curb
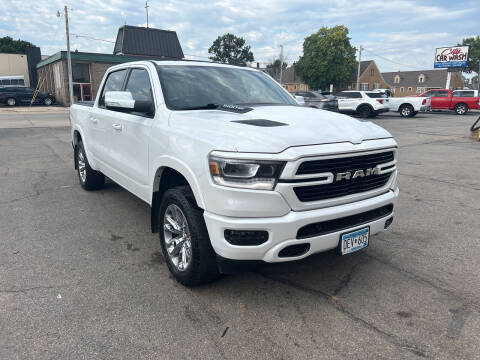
(34, 109)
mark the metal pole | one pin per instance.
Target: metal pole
(69, 58)
(281, 63)
(449, 78)
(478, 76)
(146, 9)
(358, 70)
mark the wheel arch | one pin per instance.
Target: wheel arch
(463, 103)
(364, 104)
(172, 174)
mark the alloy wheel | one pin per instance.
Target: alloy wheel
(177, 237)
(82, 166)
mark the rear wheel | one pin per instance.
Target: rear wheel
(11, 102)
(47, 101)
(89, 179)
(406, 110)
(364, 111)
(461, 109)
(184, 239)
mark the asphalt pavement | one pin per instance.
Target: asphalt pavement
(82, 277)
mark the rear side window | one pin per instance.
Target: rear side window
(350, 95)
(114, 82)
(375, 95)
(466, 93)
(442, 93)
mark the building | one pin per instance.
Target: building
(21, 65)
(132, 44)
(404, 83)
(370, 78)
(291, 81)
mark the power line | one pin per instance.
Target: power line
(92, 38)
(392, 61)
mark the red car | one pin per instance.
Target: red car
(442, 99)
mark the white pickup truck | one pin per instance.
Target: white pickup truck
(406, 106)
(234, 170)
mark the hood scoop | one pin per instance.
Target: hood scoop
(260, 122)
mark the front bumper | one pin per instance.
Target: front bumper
(283, 230)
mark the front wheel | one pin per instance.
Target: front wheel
(461, 109)
(89, 179)
(47, 101)
(184, 239)
(11, 102)
(364, 112)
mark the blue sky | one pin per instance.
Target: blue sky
(397, 34)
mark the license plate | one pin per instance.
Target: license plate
(355, 240)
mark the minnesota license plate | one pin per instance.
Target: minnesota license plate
(354, 240)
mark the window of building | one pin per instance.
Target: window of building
(409, 89)
(372, 72)
(420, 90)
(377, 86)
(80, 73)
(364, 87)
(114, 82)
(421, 78)
(396, 79)
(401, 89)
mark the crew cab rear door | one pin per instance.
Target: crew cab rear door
(440, 99)
(348, 101)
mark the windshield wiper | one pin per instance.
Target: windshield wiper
(202, 107)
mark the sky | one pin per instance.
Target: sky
(397, 34)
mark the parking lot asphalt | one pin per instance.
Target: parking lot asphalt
(81, 276)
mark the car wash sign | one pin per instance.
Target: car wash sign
(449, 57)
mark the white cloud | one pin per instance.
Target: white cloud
(401, 31)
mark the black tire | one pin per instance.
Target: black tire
(11, 102)
(89, 179)
(415, 113)
(202, 267)
(47, 101)
(406, 110)
(461, 108)
(364, 111)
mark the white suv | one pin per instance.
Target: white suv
(362, 103)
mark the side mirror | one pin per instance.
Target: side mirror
(121, 100)
(300, 100)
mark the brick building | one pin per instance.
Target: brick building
(133, 44)
(370, 78)
(291, 81)
(404, 83)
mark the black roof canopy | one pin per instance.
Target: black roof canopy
(142, 41)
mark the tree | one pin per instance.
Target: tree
(274, 68)
(328, 58)
(8, 45)
(474, 61)
(231, 49)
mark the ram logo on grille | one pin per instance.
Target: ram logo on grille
(347, 175)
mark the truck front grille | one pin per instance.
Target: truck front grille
(351, 164)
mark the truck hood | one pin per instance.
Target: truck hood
(272, 129)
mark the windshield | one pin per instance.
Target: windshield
(192, 86)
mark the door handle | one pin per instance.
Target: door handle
(117, 127)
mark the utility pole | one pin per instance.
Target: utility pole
(478, 75)
(358, 70)
(281, 63)
(146, 9)
(69, 58)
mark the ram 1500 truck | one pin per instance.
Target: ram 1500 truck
(441, 99)
(235, 171)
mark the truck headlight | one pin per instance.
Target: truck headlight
(247, 174)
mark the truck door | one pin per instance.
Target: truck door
(101, 120)
(130, 144)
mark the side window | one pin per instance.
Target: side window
(431, 94)
(114, 82)
(442, 93)
(344, 95)
(355, 95)
(138, 85)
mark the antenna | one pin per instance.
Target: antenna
(146, 9)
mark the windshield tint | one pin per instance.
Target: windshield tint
(191, 86)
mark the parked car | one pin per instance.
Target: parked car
(23, 96)
(315, 99)
(235, 172)
(405, 106)
(362, 103)
(443, 99)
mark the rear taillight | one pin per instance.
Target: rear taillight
(424, 101)
(380, 101)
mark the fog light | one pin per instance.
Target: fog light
(388, 222)
(246, 237)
